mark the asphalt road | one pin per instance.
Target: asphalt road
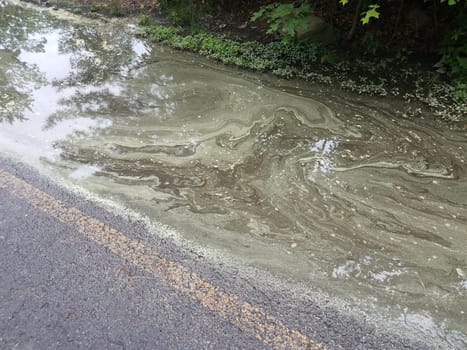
(75, 276)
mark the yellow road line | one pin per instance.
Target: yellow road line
(248, 318)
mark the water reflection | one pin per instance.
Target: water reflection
(39, 52)
(322, 159)
(17, 78)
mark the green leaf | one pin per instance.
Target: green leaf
(344, 2)
(303, 10)
(289, 29)
(257, 15)
(462, 61)
(371, 12)
(451, 2)
(457, 34)
(273, 28)
(282, 10)
(301, 23)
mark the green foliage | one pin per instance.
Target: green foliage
(371, 12)
(454, 57)
(460, 92)
(98, 7)
(78, 10)
(452, 2)
(283, 58)
(402, 55)
(371, 45)
(454, 46)
(144, 19)
(454, 50)
(164, 34)
(116, 8)
(284, 19)
(185, 12)
(179, 17)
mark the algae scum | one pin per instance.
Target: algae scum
(331, 190)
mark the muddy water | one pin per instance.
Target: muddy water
(330, 189)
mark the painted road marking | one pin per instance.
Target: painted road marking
(248, 318)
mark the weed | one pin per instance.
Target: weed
(98, 7)
(116, 8)
(144, 19)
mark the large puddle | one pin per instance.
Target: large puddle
(332, 190)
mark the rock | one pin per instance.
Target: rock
(318, 31)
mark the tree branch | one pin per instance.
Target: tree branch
(356, 17)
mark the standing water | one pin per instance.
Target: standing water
(332, 190)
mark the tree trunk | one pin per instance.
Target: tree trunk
(355, 20)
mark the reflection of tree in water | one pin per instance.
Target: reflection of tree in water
(95, 102)
(18, 79)
(17, 25)
(96, 52)
(16, 84)
(124, 99)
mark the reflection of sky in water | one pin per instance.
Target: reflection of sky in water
(50, 61)
(355, 268)
(163, 106)
(31, 136)
(322, 157)
(84, 171)
(384, 275)
(140, 49)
